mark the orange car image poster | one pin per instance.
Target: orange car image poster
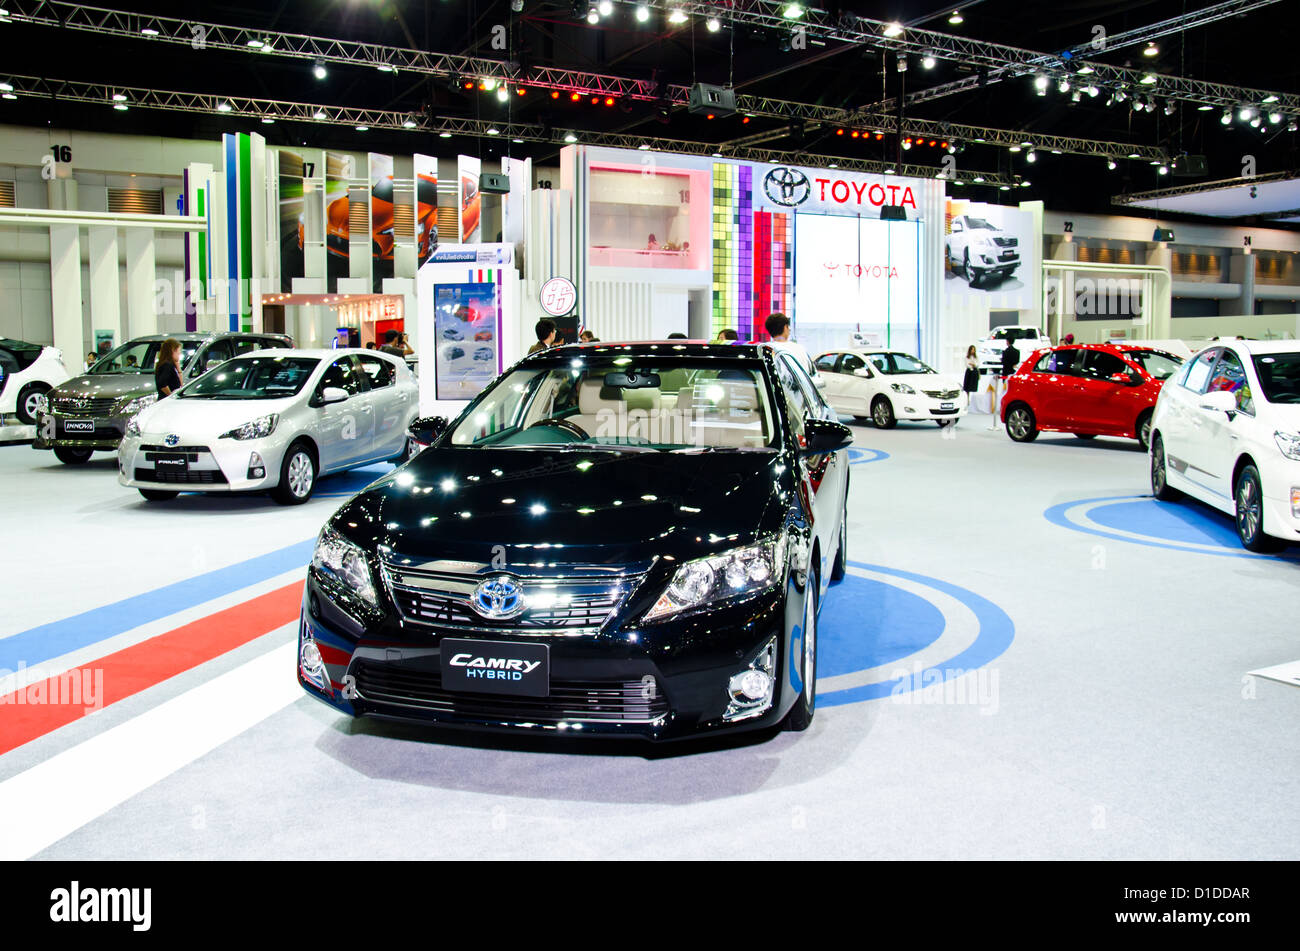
(468, 168)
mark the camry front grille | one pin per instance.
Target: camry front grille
(942, 394)
(554, 605)
(83, 405)
(617, 701)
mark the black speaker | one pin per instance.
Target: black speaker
(893, 213)
(1163, 234)
(705, 99)
(492, 183)
(1190, 166)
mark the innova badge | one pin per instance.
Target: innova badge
(499, 597)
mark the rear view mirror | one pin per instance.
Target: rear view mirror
(426, 429)
(632, 380)
(1219, 401)
(823, 435)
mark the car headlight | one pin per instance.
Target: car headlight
(1289, 443)
(255, 428)
(732, 574)
(345, 563)
(140, 402)
(902, 388)
(133, 426)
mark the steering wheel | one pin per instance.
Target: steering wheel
(569, 427)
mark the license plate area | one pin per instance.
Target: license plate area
(77, 428)
(947, 406)
(507, 667)
(171, 461)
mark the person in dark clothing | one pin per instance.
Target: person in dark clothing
(1010, 359)
(545, 331)
(1010, 363)
(392, 344)
(167, 368)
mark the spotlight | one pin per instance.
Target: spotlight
(907, 143)
(793, 11)
(385, 68)
(956, 18)
(902, 62)
(363, 128)
(1151, 50)
(1275, 117)
(1111, 164)
(1148, 80)
(642, 13)
(408, 124)
(1163, 170)
(1246, 114)
(1291, 126)
(268, 120)
(1120, 95)
(1204, 107)
(1040, 83)
(609, 100)
(713, 24)
(605, 7)
(893, 29)
(318, 114)
(1138, 105)
(1169, 107)
(503, 94)
(574, 97)
(120, 106)
(1031, 157)
(493, 131)
(927, 61)
(1063, 85)
(1076, 96)
(1086, 70)
(570, 138)
(117, 96)
(1226, 118)
(1269, 98)
(555, 94)
(677, 16)
(1254, 123)
(1092, 91)
(593, 17)
(488, 84)
(223, 107)
(318, 70)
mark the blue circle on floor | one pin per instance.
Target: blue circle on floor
(865, 623)
(861, 456)
(1186, 525)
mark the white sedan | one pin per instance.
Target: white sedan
(1226, 430)
(889, 385)
(273, 420)
(28, 371)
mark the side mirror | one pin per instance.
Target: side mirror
(426, 429)
(862, 372)
(333, 394)
(1220, 401)
(1121, 378)
(824, 435)
(819, 381)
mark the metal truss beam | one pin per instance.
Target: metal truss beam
(980, 54)
(204, 36)
(1197, 188)
(319, 114)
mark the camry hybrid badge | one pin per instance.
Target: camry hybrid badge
(498, 597)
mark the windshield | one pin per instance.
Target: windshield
(252, 378)
(978, 223)
(896, 363)
(663, 404)
(1158, 364)
(1279, 376)
(1017, 333)
(138, 356)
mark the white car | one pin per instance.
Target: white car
(889, 385)
(28, 371)
(1226, 430)
(273, 420)
(1028, 339)
(980, 249)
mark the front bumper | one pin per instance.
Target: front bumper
(59, 431)
(921, 406)
(211, 464)
(1279, 477)
(655, 682)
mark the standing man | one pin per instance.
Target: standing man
(545, 330)
(778, 328)
(1010, 363)
(392, 344)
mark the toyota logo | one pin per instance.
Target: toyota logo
(787, 186)
(171, 439)
(499, 597)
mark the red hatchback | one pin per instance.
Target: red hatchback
(1087, 389)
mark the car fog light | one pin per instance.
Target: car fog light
(313, 665)
(256, 467)
(752, 685)
(1295, 501)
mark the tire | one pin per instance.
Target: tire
(297, 475)
(72, 457)
(882, 413)
(1249, 495)
(159, 495)
(1143, 430)
(973, 274)
(406, 455)
(1021, 424)
(842, 555)
(862, 419)
(1085, 435)
(1159, 473)
(31, 399)
(800, 716)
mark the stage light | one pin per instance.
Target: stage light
(117, 96)
(1111, 164)
(713, 24)
(318, 70)
(893, 29)
(1086, 70)
(385, 68)
(956, 18)
(1275, 117)
(488, 84)
(855, 133)
(609, 100)
(907, 143)
(1031, 157)
(1204, 107)
(318, 114)
(120, 107)
(493, 131)
(503, 94)
(927, 61)
(1254, 123)
(363, 128)
(574, 97)
(555, 94)
(1092, 91)
(1040, 83)
(1246, 114)
(1226, 118)
(605, 7)
(570, 138)
(1151, 50)
(1063, 85)
(593, 17)
(1169, 107)
(793, 11)
(223, 106)
(879, 136)
(408, 124)
(444, 135)
(1163, 170)
(677, 16)
(519, 91)
(642, 13)
(595, 100)
(1148, 80)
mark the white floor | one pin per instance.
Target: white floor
(1121, 722)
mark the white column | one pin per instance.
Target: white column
(65, 292)
(105, 283)
(141, 311)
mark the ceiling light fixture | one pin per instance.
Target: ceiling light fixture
(642, 13)
(927, 61)
(408, 124)
(956, 19)
(893, 29)
(318, 70)
(363, 128)
(1151, 50)
(224, 107)
(570, 138)
(793, 11)
(268, 120)
(713, 24)
(677, 16)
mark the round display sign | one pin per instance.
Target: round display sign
(559, 296)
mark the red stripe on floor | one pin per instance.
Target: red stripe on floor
(47, 704)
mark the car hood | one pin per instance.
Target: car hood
(923, 381)
(539, 508)
(106, 385)
(203, 418)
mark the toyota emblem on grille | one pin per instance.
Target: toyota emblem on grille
(498, 597)
(171, 439)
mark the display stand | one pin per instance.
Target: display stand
(469, 318)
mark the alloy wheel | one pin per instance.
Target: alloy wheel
(1158, 469)
(880, 414)
(1249, 508)
(34, 404)
(1019, 423)
(300, 474)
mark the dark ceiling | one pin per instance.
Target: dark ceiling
(1254, 50)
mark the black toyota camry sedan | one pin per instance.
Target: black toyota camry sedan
(612, 539)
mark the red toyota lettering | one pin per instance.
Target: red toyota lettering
(823, 183)
(835, 191)
(871, 194)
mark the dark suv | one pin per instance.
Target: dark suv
(90, 412)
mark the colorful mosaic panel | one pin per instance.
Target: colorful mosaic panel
(733, 252)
